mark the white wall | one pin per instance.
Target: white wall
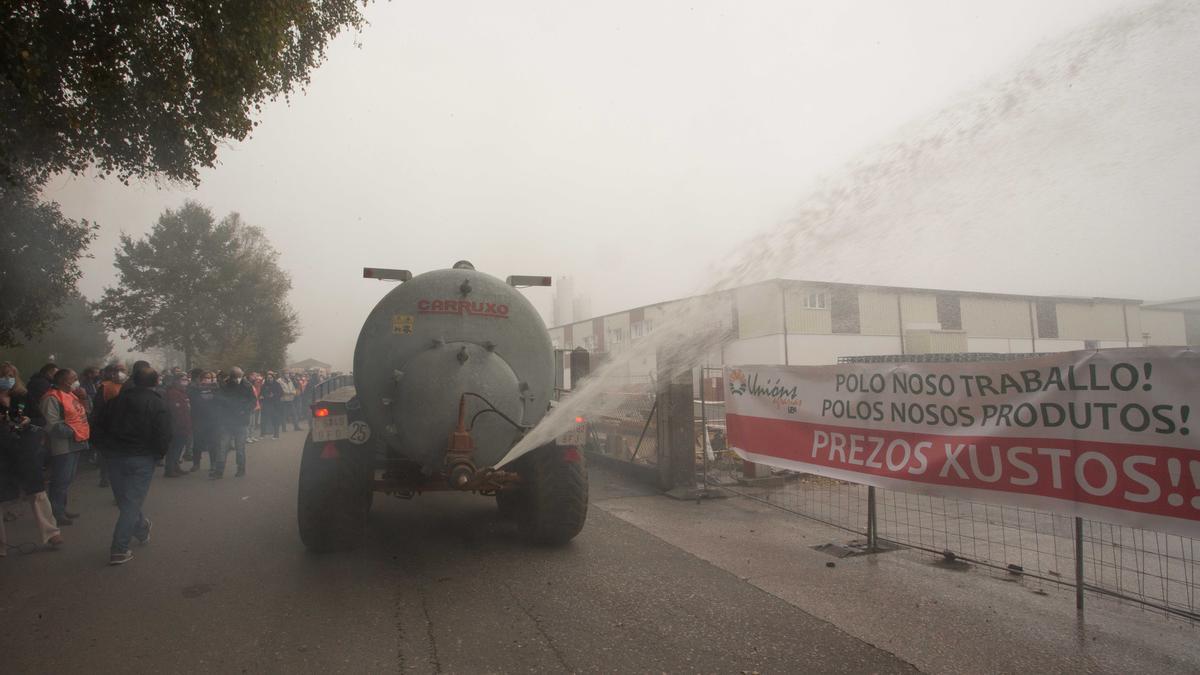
(1165, 328)
(819, 350)
(757, 350)
(1001, 345)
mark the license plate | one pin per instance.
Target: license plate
(331, 428)
(574, 438)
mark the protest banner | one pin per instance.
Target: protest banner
(1105, 434)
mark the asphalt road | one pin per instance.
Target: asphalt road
(440, 584)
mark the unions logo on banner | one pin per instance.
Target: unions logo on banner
(784, 397)
(1105, 434)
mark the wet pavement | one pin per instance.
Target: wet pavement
(942, 618)
(439, 585)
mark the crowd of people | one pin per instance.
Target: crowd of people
(127, 425)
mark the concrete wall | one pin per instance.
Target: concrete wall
(617, 322)
(878, 313)
(758, 310)
(820, 350)
(1165, 328)
(995, 317)
(579, 331)
(757, 350)
(801, 319)
(1091, 321)
(918, 309)
(1001, 345)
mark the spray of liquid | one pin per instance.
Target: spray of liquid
(914, 192)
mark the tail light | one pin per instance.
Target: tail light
(320, 412)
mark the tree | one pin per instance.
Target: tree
(202, 287)
(145, 89)
(39, 264)
(76, 340)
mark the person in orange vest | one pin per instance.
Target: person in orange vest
(68, 431)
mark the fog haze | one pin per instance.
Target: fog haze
(633, 146)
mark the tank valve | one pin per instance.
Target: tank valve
(463, 355)
(465, 288)
(459, 467)
(461, 475)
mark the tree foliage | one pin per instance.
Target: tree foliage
(148, 88)
(206, 288)
(40, 250)
(76, 340)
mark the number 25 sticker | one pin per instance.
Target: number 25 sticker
(360, 432)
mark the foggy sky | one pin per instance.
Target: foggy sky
(634, 145)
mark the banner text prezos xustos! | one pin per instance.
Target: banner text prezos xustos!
(1104, 434)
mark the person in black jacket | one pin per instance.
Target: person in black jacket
(206, 424)
(21, 459)
(272, 404)
(38, 385)
(236, 401)
(136, 428)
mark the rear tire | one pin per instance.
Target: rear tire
(334, 497)
(554, 497)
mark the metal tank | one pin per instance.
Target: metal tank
(445, 338)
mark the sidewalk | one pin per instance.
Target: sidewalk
(942, 619)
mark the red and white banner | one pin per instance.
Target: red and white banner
(1104, 434)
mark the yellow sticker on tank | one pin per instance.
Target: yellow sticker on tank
(402, 324)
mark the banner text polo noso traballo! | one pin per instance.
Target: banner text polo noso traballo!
(1110, 434)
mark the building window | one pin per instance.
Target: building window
(1047, 319)
(843, 309)
(949, 312)
(813, 300)
(637, 330)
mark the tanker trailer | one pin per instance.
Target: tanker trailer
(451, 369)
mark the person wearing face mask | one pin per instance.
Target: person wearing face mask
(181, 424)
(68, 430)
(21, 461)
(237, 404)
(272, 404)
(10, 381)
(115, 378)
(206, 417)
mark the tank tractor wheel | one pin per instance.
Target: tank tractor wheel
(509, 502)
(552, 504)
(334, 496)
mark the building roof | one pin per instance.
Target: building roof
(907, 289)
(1180, 305)
(308, 364)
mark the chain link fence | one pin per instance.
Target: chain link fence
(1157, 571)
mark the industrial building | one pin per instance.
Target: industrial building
(814, 323)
